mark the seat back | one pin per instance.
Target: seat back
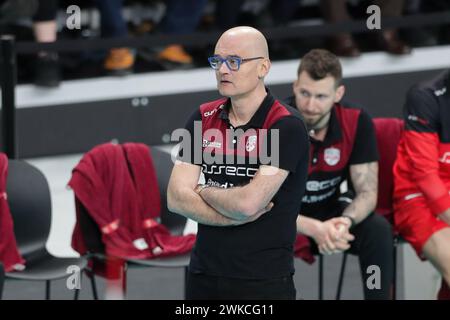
(30, 204)
(92, 236)
(388, 133)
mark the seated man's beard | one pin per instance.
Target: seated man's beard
(318, 125)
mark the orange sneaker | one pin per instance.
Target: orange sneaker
(119, 60)
(176, 54)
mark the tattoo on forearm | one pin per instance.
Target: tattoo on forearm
(365, 182)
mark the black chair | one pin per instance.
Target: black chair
(175, 223)
(2, 279)
(30, 204)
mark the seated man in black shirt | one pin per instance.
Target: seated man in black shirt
(343, 147)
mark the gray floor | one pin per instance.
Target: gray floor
(161, 284)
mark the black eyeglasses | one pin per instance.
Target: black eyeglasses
(233, 62)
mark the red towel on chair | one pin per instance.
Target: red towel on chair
(9, 254)
(143, 174)
(117, 185)
(102, 183)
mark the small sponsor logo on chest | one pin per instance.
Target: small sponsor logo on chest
(332, 156)
(251, 143)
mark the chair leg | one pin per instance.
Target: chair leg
(394, 284)
(2, 279)
(91, 276)
(77, 290)
(341, 276)
(320, 277)
(47, 289)
(124, 279)
(77, 294)
(186, 271)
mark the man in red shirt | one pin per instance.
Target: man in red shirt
(422, 174)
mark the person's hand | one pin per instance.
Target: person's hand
(344, 235)
(333, 235)
(445, 216)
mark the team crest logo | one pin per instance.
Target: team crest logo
(332, 156)
(251, 143)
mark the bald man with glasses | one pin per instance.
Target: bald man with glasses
(254, 158)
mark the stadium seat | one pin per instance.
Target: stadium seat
(30, 204)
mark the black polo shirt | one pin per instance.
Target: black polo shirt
(350, 140)
(264, 248)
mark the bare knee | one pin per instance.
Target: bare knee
(436, 249)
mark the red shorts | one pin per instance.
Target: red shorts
(416, 223)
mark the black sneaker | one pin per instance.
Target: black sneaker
(47, 73)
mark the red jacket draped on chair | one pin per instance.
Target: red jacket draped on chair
(9, 254)
(117, 185)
